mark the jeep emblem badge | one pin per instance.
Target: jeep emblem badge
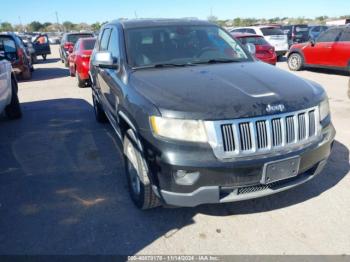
(275, 108)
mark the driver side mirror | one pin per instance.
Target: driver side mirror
(312, 42)
(251, 48)
(105, 59)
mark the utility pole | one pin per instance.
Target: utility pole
(20, 23)
(135, 14)
(57, 21)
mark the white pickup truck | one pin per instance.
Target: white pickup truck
(8, 91)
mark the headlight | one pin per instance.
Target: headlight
(324, 109)
(186, 130)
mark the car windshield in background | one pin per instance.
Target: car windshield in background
(271, 31)
(74, 38)
(89, 44)
(302, 30)
(255, 40)
(181, 45)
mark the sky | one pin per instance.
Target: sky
(90, 11)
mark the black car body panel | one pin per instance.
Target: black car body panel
(210, 93)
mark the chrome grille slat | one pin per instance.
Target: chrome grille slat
(262, 134)
(312, 127)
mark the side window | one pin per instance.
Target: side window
(329, 36)
(76, 47)
(345, 36)
(113, 45)
(105, 39)
(250, 31)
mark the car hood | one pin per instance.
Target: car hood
(224, 91)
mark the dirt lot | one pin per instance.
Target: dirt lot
(63, 189)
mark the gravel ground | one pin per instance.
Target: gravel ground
(63, 188)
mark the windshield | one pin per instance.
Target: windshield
(74, 38)
(271, 31)
(89, 44)
(302, 30)
(181, 45)
(255, 40)
(8, 48)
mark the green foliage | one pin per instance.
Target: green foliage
(69, 26)
(35, 26)
(5, 27)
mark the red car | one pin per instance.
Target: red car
(79, 60)
(330, 50)
(264, 51)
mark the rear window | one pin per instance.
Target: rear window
(255, 40)
(271, 31)
(7, 45)
(74, 38)
(89, 44)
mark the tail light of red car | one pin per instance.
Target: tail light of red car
(68, 45)
(20, 55)
(271, 50)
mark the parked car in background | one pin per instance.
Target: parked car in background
(8, 89)
(68, 41)
(15, 51)
(41, 45)
(263, 50)
(296, 33)
(79, 60)
(199, 120)
(315, 31)
(273, 34)
(54, 38)
(330, 50)
(26, 41)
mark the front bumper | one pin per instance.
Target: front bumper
(228, 181)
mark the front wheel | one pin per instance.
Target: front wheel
(295, 62)
(100, 115)
(139, 185)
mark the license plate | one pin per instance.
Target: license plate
(280, 170)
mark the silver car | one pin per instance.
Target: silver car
(8, 90)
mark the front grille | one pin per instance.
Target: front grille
(263, 134)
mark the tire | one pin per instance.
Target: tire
(139, 185)
(80, 83)
(295, 62)
(27, 74)
(34, 60)
(13, 110)
(99, 113)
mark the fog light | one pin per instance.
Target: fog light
(183, 177)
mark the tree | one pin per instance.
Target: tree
(6, 27)
(96, 26)
(212, 18)
(68, 26)
(35, 26)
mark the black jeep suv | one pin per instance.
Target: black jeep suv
(200, 120)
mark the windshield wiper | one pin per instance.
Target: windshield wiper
(161, 65)
(217, 61)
